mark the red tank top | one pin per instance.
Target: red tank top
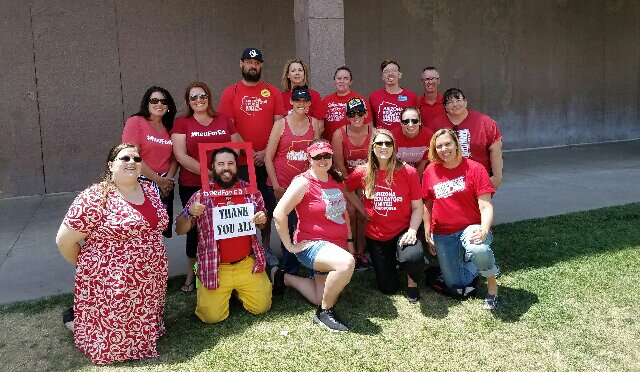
(291, 156)
(321, 212)
(354, 155)
(148, 211)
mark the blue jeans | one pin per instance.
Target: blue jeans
(461, 261)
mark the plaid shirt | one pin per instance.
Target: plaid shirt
(208, 253)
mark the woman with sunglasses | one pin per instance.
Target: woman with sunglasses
(479, 135)
(296, 74)
(201, 124)
(457, 217)
(286, 156)
(393, 205)
(323, 240)
(350, 144)
(412, 139)
(121, 269)
(149, 129)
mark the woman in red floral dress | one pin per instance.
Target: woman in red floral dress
(121, 269)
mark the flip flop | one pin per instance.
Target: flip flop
(186, 288)
(490, 302)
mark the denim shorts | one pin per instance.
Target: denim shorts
(308, 256)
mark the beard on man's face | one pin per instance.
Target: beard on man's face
(225, 184)
(251, 74)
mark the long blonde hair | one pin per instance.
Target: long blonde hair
(373, 165)
(286, 82)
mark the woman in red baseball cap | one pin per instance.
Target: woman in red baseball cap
(323, 240)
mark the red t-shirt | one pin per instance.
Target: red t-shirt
(321, 212)
(252, 109)
(354, 155)
(390, 209)
(218, 131)
(387, 107)
(291, 157)
(333, 110)
(232, 249)
(455, 195)
(148, 211)
(476, 134)
(413, 150)
(155, 146)
(429, 112)
(315, 101)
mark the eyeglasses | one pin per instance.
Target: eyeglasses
(202, 96)
(430, 79)
(154, 101)
(390, 71)
(353, 114)
(412, 121)
(128, 158)
(322, 156)
(454, 101)
(383, 143)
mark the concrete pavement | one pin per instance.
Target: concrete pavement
(537, 183)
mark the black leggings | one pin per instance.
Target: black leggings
(192, 235)
(385, 255)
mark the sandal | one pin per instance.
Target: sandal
(490, 302)
(277, 280)
(186, 288)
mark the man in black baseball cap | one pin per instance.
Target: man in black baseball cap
(252, 53)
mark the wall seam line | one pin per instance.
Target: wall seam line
(115, 11)
(35, 76)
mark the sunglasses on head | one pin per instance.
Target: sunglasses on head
(353, 114)
(128, 158)
(407, 121)
(202, 96)
(154, 101)
(385, 143)
(322, 156)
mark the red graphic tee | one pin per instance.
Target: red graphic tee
(333, 110)
(387, 107)
(455, 195)
(291, 158)
(413, 150)
(390, 208)
(155, 146)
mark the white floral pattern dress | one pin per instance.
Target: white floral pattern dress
(121, 277)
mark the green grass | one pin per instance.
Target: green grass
(570, 302)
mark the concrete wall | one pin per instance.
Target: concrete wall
(549, 72)
(72, 71)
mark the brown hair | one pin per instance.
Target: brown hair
(333, 171)
(411, 108)
(106, 183)
(387, 62)
(286, 82)
(433, 153)
(199, 84)
(373, 165)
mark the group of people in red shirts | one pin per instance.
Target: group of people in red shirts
(340, 176)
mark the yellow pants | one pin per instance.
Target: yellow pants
(254, 291)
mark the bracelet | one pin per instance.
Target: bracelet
(185, 212)
(350, 240)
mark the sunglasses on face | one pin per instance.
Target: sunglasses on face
(383, 143)
(353, 114)
(412, 121)
(154, 101)
(128, 158)
(202, 96)
(322, 156)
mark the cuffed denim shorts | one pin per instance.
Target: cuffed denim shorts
(308, 256)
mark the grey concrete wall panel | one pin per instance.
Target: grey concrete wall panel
(535, 114)
(224, 29)
(621, 70)
(585, 71)
(320, 39)
(79, 89)
(156, 47)
(20, 154)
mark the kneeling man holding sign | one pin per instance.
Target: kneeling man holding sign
(229, 254)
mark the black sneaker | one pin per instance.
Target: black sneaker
(277, 280)
(413, 295)
(329, 319)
